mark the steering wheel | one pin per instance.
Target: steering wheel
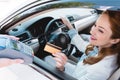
(51, 26)
(59, 39)
(62, 38)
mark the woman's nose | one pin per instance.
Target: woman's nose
(93, 30)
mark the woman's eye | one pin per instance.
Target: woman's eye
(100, 30)
(94, 25)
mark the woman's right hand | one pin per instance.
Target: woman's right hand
(61, 60)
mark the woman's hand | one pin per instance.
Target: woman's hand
(4, 62)
(67, 23)
(61, 60)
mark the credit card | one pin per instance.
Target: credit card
(51, 48)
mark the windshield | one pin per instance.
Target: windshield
(9, 6)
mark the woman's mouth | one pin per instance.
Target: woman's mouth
(93, 38)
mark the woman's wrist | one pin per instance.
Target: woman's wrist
(72, 33)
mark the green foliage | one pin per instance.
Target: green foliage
(66, 5)
(71, 4)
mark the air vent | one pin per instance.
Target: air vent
(15, 29)
(23, 36)
(71, 18)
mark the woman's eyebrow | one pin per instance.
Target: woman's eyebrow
(102, 28)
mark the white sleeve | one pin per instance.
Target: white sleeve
(79, 42)
(100, 74)
(69, 68)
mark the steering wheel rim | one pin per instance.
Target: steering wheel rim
(49, 24)
(46, 29)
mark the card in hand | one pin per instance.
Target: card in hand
(51, 48)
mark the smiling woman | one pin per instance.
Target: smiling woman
(102, 51)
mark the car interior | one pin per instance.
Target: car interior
(42, 28)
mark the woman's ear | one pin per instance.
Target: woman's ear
(115, 41)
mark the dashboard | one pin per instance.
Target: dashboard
(36, 25)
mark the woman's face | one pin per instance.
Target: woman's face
(101, 32)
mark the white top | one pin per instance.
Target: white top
(99, 71)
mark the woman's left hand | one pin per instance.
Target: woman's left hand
(67, 22)
(61, 60)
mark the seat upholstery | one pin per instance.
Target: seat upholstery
(115, 75)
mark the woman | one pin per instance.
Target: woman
(6, 61)
(101, 57)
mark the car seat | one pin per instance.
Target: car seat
(115, 75)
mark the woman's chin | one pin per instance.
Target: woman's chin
(93, 43)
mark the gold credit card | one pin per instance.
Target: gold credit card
(51, 48)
